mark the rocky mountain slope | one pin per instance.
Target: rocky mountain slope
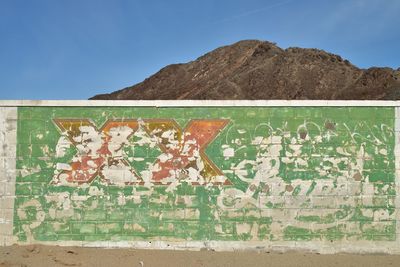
(254, 69)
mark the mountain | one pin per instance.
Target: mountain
(253, 69)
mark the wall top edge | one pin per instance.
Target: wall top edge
(196, 103)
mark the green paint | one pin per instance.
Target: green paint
(308, 158)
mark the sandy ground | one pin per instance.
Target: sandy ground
(73, 256)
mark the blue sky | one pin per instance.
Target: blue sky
(74, 49)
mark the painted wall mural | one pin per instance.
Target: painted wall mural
(233, 173)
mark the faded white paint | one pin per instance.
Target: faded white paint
(199, 103)
(8, 141)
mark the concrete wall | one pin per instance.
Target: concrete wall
(266, 175)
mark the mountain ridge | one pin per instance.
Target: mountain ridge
(253, 70)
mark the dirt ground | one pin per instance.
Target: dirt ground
(24, 256)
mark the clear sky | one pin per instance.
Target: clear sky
(74, 49)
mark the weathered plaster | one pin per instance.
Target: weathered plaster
(8, 143)
(224, 175)
(199, 103)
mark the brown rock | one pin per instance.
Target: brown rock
(254, 70)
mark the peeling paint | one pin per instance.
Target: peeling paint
(194, 174)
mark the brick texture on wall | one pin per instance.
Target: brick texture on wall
(228, 177)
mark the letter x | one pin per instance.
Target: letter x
(99, 151)
(184, 150)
